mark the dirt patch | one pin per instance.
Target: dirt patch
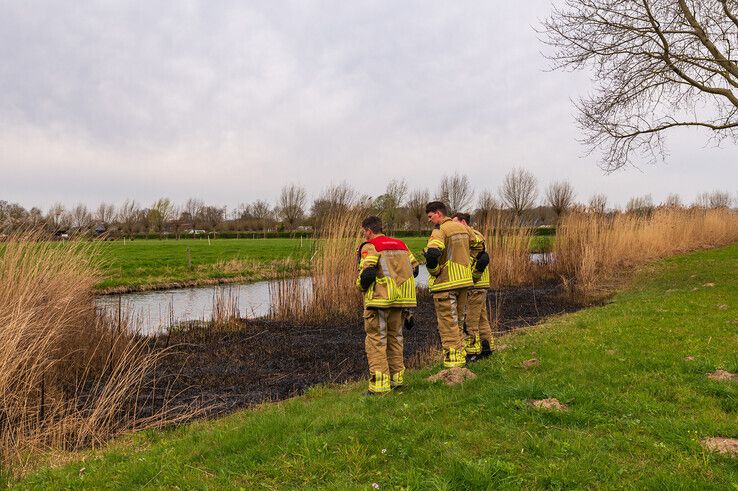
(725, 446)
(500, 347)
(453, 376)
(551, 404)
(723, 306)
(689, 358)
(722, 376)
(709, 285)
(533, 362)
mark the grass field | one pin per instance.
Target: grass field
(146, 263)
(638, 408)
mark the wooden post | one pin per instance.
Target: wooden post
(189, 258)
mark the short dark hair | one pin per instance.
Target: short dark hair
(463, 216)
(372, 223)
(434, 206)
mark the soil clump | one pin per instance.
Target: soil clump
(722, 376)
(725, 446)
(551, 404)
(453, 376)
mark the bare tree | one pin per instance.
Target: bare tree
(673, 201)
(598, 204)
(105, 213)
(57, 217)
(456, 192)
(261, 211)
(128, 216)
(81, 217)
(659, 64)
(390, 202)
(714, 199)
(191, 212)
(337, 198)
(560, 196)
(487, 207)
(416, 206)
(640, 205)
(519, 191)
(291, 207)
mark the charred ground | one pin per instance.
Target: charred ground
(264, 360)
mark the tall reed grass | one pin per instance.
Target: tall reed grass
(70, 376)
(508, 244)
(592, 250)
(331, 291)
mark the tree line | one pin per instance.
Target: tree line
(518, 197)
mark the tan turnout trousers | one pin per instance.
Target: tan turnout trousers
(450, 308)
(478, 328)
(384, 348)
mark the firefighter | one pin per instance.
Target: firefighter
(448, 259)
(387, 271)
(479, 340)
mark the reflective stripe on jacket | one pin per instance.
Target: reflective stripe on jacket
(395, 283)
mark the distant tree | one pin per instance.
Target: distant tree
(659, 64)
(456, 192)
(81, 218)
(129, 215)
(560, 196)
(35, 217)
(337, 198)
(640, 205)
(211, 217)
(673, 201)
(191, 212)
(390, 202)
(292, 201)
(488, 206)
(598, 204)
(105, 213)
(416, 206)
(262, 213)
(519, 191)
(160, 214)
(56, 218)
(714, 199)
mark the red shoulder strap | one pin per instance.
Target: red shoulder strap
(384, 243)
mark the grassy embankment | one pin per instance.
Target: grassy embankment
(143, 264)
(637, 410)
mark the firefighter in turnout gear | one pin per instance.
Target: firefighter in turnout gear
(448, 259)
(479, 340)
(387, 271)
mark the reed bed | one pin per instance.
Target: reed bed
(70, 376)
(331, 291)
(508, 244)
(593, 250)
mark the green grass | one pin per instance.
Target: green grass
(143, 263)
(152, 262)
(637, 411)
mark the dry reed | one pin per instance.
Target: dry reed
(70, 376)
(592, 250)
(331, 291)
(508, 244)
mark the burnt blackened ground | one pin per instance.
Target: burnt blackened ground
(267, 360)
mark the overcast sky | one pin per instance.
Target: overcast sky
(228, 101)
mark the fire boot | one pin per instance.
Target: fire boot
(486, 350)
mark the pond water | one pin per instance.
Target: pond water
(152, 312)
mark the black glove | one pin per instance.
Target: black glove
(368, 276)
(408, 319)
(415, 272)
(431, 257)
(482, 261)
